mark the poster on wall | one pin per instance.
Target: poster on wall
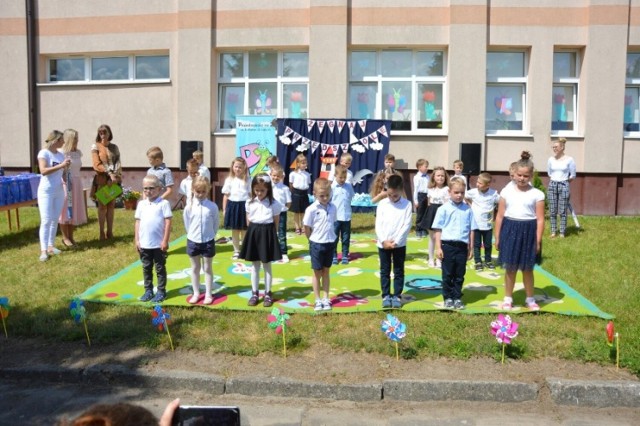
(255, 141)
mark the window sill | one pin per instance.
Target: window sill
(509, 135)
(104, 83)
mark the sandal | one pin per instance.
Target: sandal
(207, 300)
(268, 301)
(194, 299)
(533, 306)
(253, 301)
(506, 306)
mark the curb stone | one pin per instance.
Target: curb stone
(296, 389)
(594, 393)
(440, 390)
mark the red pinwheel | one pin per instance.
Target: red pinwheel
(160, 319)
(505, 331)
(612, 336)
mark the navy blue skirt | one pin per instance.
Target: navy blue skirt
(299, 200)
(518, 245)
(428, 216)
(261, 243)
(235, 215)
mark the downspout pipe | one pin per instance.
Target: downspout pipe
(32, 73)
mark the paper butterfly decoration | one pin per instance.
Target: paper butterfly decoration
(278, 320)
(160, 318)
(504, 329)
(263, 103)
(393, 328)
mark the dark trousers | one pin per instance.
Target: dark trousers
(480, 238)
(397, 257)
(454, 266)
(421, 211)
(342, 229)
(149, 257)
(282, 232)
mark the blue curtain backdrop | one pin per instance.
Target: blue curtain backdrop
(370, 159)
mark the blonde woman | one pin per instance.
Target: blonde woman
(74, 210)
(561, 169)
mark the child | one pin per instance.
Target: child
(318, 222)
(282, 194)
(393, 223)
(159, 169)
(389, 162)
(458, 166)
(202, 169)
(420, 191)
(201, 223)
(273, 161)
(519, 227)
(152, 229)
(299, 182)
(345, 160)
(379, 186)
(453, 225)
(260, 243)
(341, 195)
(236, 190)
(437, 196)
(185, 185)
(483, 201)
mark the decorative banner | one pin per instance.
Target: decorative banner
(363, 124)
(341, 124)
(331, 124)
(395, 330)
(297, 137)
(255, 141)
(323, 149)
(314, 146)
(279, 321)
(320, 124)
(505, 330)
(160, 319)
(365, 141)
(335, 149)
(4, 312)
(79, 314)
(310, 124)
(345, 147)
(383, 131)
(287, 131)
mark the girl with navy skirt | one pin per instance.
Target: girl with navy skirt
(260, 245)
(519, 227)
(299, 182)
(236, 191)
(437, 195)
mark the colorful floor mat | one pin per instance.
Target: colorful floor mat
(355, 287)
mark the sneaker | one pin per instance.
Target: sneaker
(345, 260)
(285, 259)
(533, 306)
(438, 263)
(396, 303)
(44, 257)
(335, 261)
(235, 256)
(479, 267)
(507, 306)
(448, 304)
(318, 306)
(147, 296)
(457, 304)
(386, 302)
(431, 263)
(268, 300)
(54, 251)
(253, 300)
(490, 266)
(159, 297)
(326, 304)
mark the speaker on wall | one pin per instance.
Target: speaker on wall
(470, 154)
(187, 148)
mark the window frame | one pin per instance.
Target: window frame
(414, 81)
(248, 105)
(631, 83)
(522, 82)
(564, 82)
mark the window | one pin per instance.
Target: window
(564, 98)
(506, 92)
(631, 96)
(405, 86)
(114, 68)
(262, 82)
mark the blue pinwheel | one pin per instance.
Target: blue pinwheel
(4, 312)
(395, 330)
(161, 319)
(79, 314)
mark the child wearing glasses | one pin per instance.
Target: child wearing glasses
(152, 229)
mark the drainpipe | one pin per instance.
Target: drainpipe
(32, 73)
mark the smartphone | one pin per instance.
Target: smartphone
(187, 415)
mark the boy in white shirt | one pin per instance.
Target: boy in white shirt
(282, 194)
(458, 166)
(484, 202)
(185, 184)
(420, 191)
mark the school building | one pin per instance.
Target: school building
(477, 79)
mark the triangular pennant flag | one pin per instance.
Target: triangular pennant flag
(323, 148)
(331, 124)
(287, 131)
(363, 124)
(341, 124)
(352, 138)
(374, 137)
(345, 147)
(335, 149)
(310, 124)
(383, 131)
(352, 125)
(314, 146)
(365, 141)
(297, 137)
(321, 124)
(305, 140)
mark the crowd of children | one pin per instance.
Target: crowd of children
(459, 224)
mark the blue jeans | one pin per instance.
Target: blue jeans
(397, 256)
(454, 266)
(480, 238)
(282, 232)
(342, 229)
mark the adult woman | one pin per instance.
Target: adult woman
(106, 163)
(73, 189)
(50, 192)
(561, 170)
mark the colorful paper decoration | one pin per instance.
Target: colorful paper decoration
(108, 193)
(611, 336)
(505, 331)
(395, 330)
(4, 312)
(279, 321)
(263, 103)
(79, 314)
(161, 319)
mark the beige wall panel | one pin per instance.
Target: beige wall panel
(139, 116)
(12, 9)
(631, 156)
(261, 37)
(224, 150)
(409, 3)
(328, 72)
(261, 4)
(408, 149)
(99, 44)
(408, 36)
(81, 8)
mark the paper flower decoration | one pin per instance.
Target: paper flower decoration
(4, 312)
(296, 96)
(611, 337)
(161, 319)
(505, 331)
(429, 96)
(394, 329)
(279, 321)
(79, 314)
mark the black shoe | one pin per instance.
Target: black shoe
(479, 267)
(159, 297)
(147, 296)
(490, 266)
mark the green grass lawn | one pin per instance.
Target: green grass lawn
(599, 261)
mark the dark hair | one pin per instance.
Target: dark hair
(112, 415)
(394, 182)
(525, 161)
(107, 129)
(262, 178)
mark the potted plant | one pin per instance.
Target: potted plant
(130, 198)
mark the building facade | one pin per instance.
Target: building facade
(498, 76)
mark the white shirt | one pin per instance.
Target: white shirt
(393, 221)
(204, 172)
(420, 184)
(282, 193)
(152, 215)
(201, 220)
(521, 205)
(300, 179)
(438, 195)
(185, 187)
(262, 211)
(561, 170)
(464, 179)
(236, 189)
(483, 205)
(51, 182)
(320, 219)
(332, 175)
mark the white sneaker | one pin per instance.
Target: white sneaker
(285, 258)
(326, 304)
(431, 263)
(54, 251)
(44, 257)
(438, 263)
(318, 305)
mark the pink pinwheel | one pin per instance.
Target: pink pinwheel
(505, 330)
(279, 321)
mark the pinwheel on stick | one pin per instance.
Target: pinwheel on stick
(395, 330)
(4, 312)
(161, 319)
(611, 336)
(279, 321)
(505, 331)
(79, 314)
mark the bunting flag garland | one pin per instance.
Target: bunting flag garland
(365, 141)
(360, 145)
(344, 147)
(310, 124)
(331, 124)
(383, 131)
(314, 146)
(363, 124)
(341, 124)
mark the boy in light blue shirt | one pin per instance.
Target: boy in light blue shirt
(341, 195)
